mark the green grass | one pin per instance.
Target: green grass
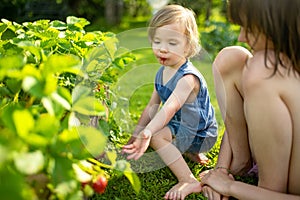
(136, 84)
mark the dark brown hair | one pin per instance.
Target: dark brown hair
(278, 20)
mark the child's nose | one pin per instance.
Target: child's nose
(163, 49)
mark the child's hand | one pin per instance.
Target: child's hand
(132, 139)
(140, 144)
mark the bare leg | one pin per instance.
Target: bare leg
(199, 158)
(187, 183)
(228, 67)
(269, 105)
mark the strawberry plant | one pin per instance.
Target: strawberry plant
(55, 108)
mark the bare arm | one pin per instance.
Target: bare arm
(181, 93)
(225, 153)
(225, 185)
(146, 116)
(148, 113)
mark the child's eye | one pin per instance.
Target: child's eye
(173, 42)
(156, 42)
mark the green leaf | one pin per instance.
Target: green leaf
(76, 22)
(133, 178)
(80, 48)
(69, 144)
(48, 44)
(14, 185)
(24, 122)
(124, 60)
(7, 116)
(73, 120)
(111, 46)
(48, 105)
(80, 92)
(3, 28)
(8, 34)
(4, 152)
(35, 51)
(61, 63)
(93, 140)
(59, 25)
(89, 106)
(92, 66)
(62, 170)
(47, 126)
(104, 126)
(30, 162)
(94, 54)
(29, 82)
(31, 71)
(4, 91)
(37, 140)
(30, 131)
(11, 62)
(7, 22)
(64, 44)
(61, 100)
(90, 37)
(13, 85)
(64, 93)
(112, 156)
(34, 86)
(50, 84)
(68, 190)
(39, 25)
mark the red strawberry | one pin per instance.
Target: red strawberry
(100, 184)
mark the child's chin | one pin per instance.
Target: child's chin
(163, 63)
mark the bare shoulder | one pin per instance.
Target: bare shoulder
(231, 58)
(189, 79)
(233, 54)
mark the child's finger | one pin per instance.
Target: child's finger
(129, 146)
(132, 156)
(129, 151)
(131, 140)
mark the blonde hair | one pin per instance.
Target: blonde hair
(186, 17)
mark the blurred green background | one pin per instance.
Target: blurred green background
(121, 15)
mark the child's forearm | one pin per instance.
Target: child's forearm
(145, 118)
(162, 118)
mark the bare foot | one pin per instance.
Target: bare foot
(182, 189)
(199, 158)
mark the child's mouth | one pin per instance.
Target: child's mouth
(163, 60)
